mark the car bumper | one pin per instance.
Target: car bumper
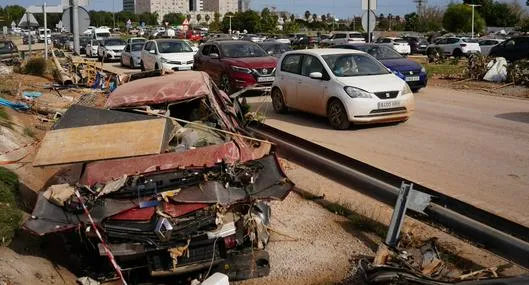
(177, 67)
(113, 56)
(365, 111)
(243, 80)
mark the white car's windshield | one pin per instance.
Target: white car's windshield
(114, 42)
(136, 46)
(174, 47)
(346, 65)
(103, 35)
(238, 50)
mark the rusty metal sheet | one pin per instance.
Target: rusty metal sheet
(103, 142)
(135, 214)
(176, 87)
(103, 171)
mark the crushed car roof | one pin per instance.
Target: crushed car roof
(176, 87)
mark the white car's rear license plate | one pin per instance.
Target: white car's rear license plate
(388, 104)
(412, 78)
(184, 68)
(265, 79)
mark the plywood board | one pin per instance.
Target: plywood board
(103, 142)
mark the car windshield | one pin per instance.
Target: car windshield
(347, 65)
(276, 48)
(5, 47)
(380, 52)
(173, 47)
(400, 41)
(470, 40)
(114, 42)
(136, 47)
(238, 50)
(102, 35)
(137, 40)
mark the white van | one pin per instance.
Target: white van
(100, 33)
(41, 34)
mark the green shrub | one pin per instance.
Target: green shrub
(35, 66)
(10, 216)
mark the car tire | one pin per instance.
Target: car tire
(457, 53)
(225, 84)
(415, 90)
(156, 67)
(337, 115)
(278, 101)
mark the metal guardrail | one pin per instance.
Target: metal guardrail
(496, 234)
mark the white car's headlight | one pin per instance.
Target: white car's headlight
(240, 69)
(354, 92)
(406, 89)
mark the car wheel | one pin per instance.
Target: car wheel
(457, 53)
(278, 102)
(415, 90)
(225, 84)
(337, 115)
(156, 67)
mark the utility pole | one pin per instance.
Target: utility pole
(473, 6)
(113, 14)
(368, 21)
(230, 16)
(30, 37)
(75, 26)
(45, 31)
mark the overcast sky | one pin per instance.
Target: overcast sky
(340, 8)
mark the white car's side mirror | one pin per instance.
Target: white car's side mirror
(316, 75)
(152, 51)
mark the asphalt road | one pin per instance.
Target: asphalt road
(469, 146)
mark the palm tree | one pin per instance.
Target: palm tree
(292, 18)
(323, 18)
(207, 18)
(199, 17)
(314, 17)
(307, 15)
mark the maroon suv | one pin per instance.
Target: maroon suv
(235, 65)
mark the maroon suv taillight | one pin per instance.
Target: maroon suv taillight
(230, 241)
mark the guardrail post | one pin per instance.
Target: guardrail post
(399, 213)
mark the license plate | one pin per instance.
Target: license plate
(265, 79)
(388, 104)
(184, 68)
(412, 78)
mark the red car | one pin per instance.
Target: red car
(235, 65)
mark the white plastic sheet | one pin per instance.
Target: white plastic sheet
(497, 70)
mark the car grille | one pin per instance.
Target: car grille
(411, 73)
(264, 71)
(117, 50)
(387, 94)
(180, 62)
(389, 110)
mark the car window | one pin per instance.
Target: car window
(311, 64)
(136, 47)
(173, 47)
(148, 46)
(339, 36)
(276, 48)
(381, 52)
(114, 42)
(291, 63)
(127, 48)
(347, 65)
(214, 49)
(241, 50)
(206, 50)
(452, 40)
(5, 47)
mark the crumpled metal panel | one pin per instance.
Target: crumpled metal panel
(176, 210)
(103, 171)
(135, 214)
(176, 87)
(48, 218)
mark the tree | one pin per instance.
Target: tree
(148, 18)
(324, 18)
(268, 21)
(292, 18)
(314, 17)
(290, 28)
(174, 18)
(207, 18)
(307, 15)
(14, 13)
(458, 18)
(199, 17)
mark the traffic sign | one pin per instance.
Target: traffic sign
(372, 21)
(372, 4)
(84, 19)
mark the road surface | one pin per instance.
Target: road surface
(469, 146)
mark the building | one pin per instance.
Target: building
(129, 6)
(221, 6)
(162, 7)
(244, 5)
(196, 5)
(81, 3)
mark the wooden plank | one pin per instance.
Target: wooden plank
(103, 142)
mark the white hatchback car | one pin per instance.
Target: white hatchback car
(168, 54)
(398, 44)
(347, 86)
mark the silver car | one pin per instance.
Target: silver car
(131, 55)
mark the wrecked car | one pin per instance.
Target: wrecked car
(171, 182)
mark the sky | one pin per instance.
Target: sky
(340, 8)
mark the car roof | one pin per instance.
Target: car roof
(228, 41)
(326, 51)
(166, 40)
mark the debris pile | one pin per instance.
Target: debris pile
(172, 183)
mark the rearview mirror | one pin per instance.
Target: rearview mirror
(316, 75)
(214, 55)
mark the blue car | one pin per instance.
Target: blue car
(410, 71)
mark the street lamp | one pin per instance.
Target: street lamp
(473, 6)
(230, 16)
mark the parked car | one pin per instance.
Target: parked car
(408, 70)
(83, 42)
(192, 45)
(457, 47)
(234, 65)
(110, 49)
(486, 45)
(91, 48)
(136, 40)
(398, 44)
(342, 84)
(8, 52)
(512, 49)
(343, 38)
(278, 39)
(173, 54)
(417, 44)
(131, 55)
(27, 38)
(252, 38)
(275, 49)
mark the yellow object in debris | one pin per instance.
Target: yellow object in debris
(176, 252)
(169, 194)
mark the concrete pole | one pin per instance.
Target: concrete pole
(45, 32)
(472, 21)
(30, 37)
(368, 21)
(75, 25)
